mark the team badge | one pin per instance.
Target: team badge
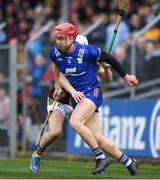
(57, 52)
(80, 56)
(79, 60)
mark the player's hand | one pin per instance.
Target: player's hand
(58, 94)
(107, 66)
(77, 95)
(131, 80)
(50, 104)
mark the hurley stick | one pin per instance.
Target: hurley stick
(44, 126)
(42, 130)
(122, 7)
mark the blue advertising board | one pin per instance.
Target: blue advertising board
(133, 125)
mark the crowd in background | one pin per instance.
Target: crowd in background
(23, 19)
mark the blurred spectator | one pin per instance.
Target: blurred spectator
(75, 20)
(74, 7)
(96, 37)
(1, 76)
(3, 37)
(55, 8)
(37, 97)
(11, 9)
(135, 23)
(141, 46)
(29, 15)
(155, 5)
(39, 18)
(121, 54)
(152, 60)
(23, 32)
(36, 48)
(48, 75)
(37, 70)
(12, 30)
(4, 117)
(1, 16)
(145, 13)
(4, 107)
(102, 6)
(140, 53)
(3, 84)
(153, 33)
(113, 5)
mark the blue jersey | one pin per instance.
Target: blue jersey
(79, 66)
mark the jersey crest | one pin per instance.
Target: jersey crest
(57, 53)
(80, 56)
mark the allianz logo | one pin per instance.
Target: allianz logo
(133, 132)
(125, 131)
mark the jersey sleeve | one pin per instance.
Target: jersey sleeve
(93, 53)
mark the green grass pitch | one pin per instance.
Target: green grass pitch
(53, 169)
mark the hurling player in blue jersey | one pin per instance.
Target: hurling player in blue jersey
(61, 110)
(75, 69)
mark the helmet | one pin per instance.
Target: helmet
(82, 39)
(66, 29)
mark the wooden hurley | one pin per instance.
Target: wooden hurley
(122, 7)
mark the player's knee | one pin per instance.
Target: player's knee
(74, 124)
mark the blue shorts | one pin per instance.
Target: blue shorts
(95, 95)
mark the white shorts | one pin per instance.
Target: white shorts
(65, 109)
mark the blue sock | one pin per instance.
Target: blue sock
(124, 159)
(98, 153)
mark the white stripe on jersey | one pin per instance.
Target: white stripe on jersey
(78, 74)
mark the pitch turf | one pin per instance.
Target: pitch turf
(51, 169)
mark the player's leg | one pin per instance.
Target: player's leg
(105, 143)
(108, 146)
(83, 111)
(55, 125)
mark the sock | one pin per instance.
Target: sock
(98, 153)
(39, 151)
(124, 159)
